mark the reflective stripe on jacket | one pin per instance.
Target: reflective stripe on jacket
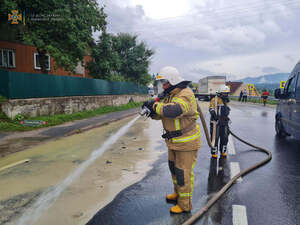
(177, 112)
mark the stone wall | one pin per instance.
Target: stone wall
(64, 105)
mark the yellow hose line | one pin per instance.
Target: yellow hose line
(14, 164)
(212, 142)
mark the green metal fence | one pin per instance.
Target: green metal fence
(16, 85)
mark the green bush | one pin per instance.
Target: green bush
(19, 117)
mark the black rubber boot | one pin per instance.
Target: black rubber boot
(224, 151)
(214, 152)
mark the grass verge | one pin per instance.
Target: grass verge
(256, 100)
(7, 124)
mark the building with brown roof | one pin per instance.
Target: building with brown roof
(24, 58)
(237, 87)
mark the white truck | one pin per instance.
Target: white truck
(208, 86)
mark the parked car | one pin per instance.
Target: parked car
(287, 119)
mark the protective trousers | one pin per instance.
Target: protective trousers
(222, 133)
(181, 165)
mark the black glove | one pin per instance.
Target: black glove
(225, 99)
(225, 110)
(149, 104)
(213, 114)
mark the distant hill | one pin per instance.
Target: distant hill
(266, 79)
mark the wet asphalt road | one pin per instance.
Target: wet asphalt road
(270, 194)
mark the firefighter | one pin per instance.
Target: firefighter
(219, 112)
(178, 111)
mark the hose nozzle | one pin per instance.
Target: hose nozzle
(145, 112)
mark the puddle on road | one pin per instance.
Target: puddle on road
(122, 164)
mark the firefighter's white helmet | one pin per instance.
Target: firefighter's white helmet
(224, 89)
(170, 74)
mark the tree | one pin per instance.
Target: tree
(121, 58)
(106, 60)
(135, 58)
(64, 29)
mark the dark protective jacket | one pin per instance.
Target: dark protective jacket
(222, 110)
(178, 111)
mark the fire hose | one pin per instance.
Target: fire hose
(218, 195)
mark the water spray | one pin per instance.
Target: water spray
(48, 197)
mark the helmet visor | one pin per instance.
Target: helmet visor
(160, 84)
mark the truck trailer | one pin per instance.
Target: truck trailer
(208, 86)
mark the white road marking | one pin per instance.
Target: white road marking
(239, 215)
(234, 170)
(230, 146)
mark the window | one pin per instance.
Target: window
(7, 58)
(298, 87)
(1, 58)
(290, 90)
(37, 64)
(11, 59)
(79, 68)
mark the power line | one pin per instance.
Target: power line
(225, 9)
(209, 17)
(245, 10)
(225, 19)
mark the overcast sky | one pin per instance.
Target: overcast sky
(204, 37)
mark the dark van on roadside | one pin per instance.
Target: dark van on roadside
(287, 119)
